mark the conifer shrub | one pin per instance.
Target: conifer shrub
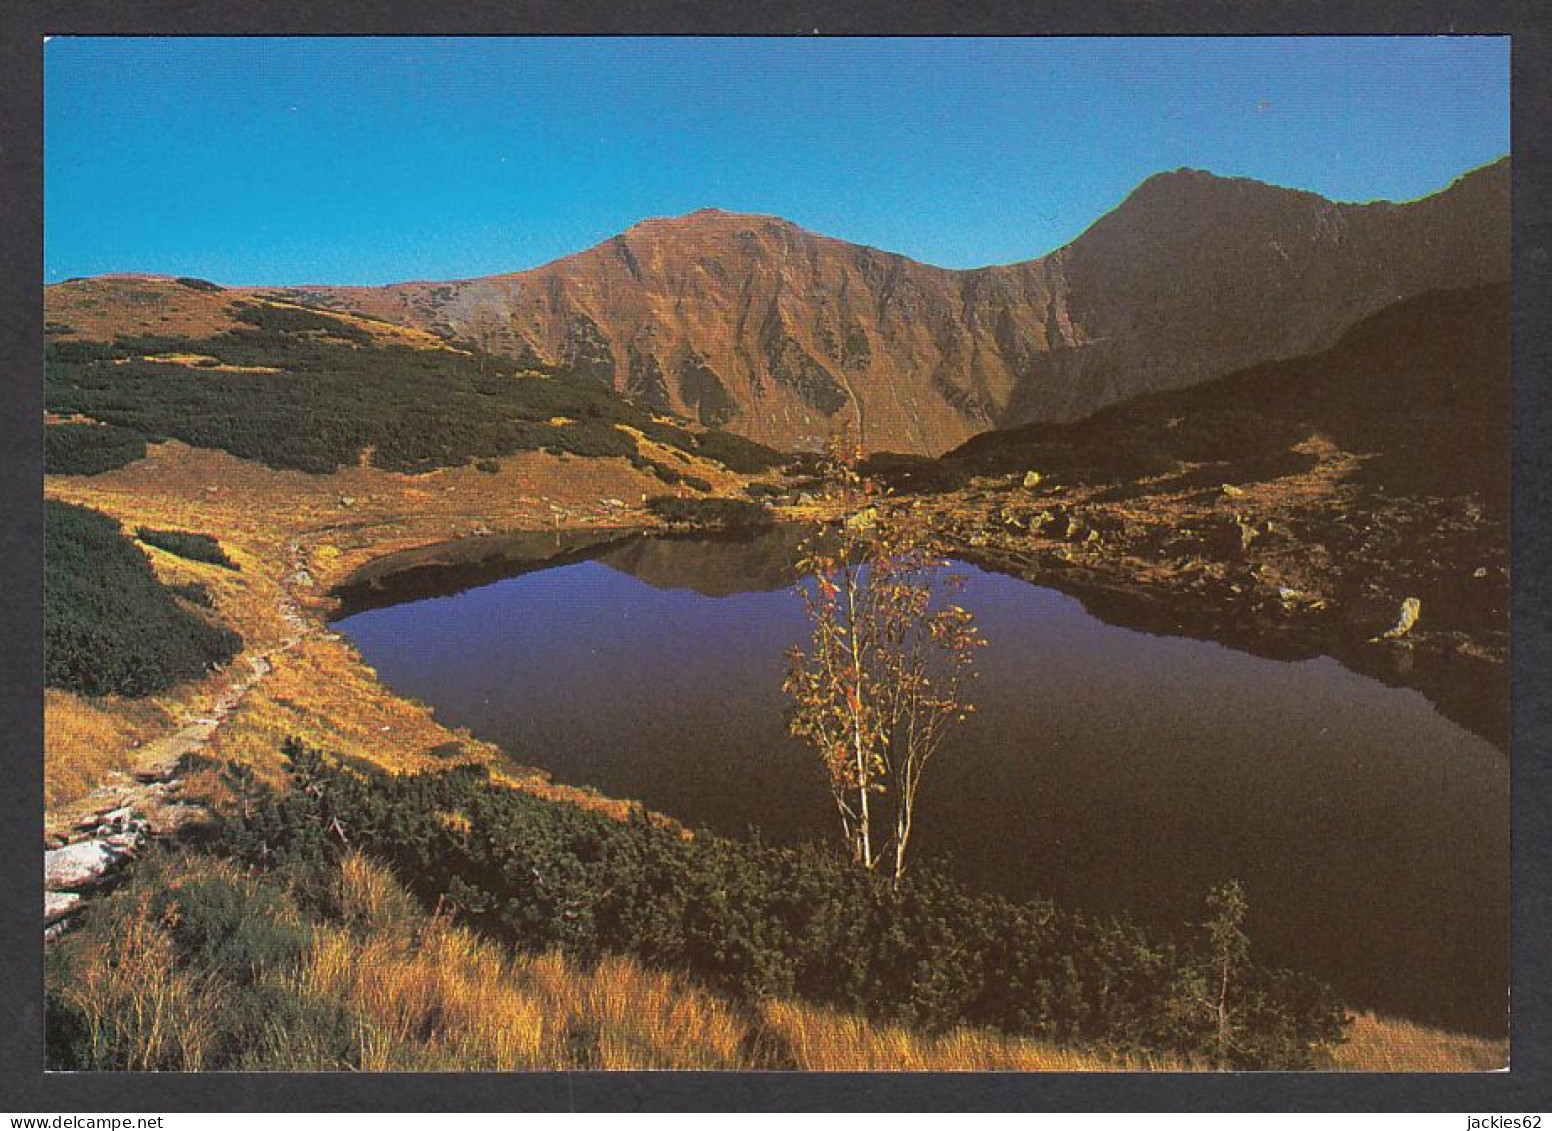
(194, 593)
(310, 391)
(89, 449)
(737, 453)
(755, 921)
(709, 513)
(109, 627)
(194, 547)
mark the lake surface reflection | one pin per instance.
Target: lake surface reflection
(1107, 768)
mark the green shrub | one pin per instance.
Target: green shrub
(338, 391)
(904, 473)
(194, 593)
(754, 920)
(109, 627)
(216, 954)
(736, 453)
(194, 547)
(741, 513)
(89, 449)
(296, 320)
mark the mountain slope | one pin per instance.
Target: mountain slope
(1418, 391)
(309, 390)
(752, 322)
(1298, 507)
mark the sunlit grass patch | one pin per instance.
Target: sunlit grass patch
(86, 739)
(1388, 1044)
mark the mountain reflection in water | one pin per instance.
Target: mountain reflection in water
(1106, 768)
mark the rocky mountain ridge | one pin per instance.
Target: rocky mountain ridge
(753, 323)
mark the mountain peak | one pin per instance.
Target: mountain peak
(1191, 186)
(710, 218)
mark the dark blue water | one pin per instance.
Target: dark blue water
(1106, 768)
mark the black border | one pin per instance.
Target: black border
(25, 1088)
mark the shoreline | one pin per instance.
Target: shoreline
(317, 686)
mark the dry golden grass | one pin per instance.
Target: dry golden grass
(462, 1003)
(472, 1005)
(320, 692)
(819, 1040)
(85, 740)
(101, 308)
(138, 999)
(1385, 1044)
(469, 1006)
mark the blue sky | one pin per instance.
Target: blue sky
(378, 160)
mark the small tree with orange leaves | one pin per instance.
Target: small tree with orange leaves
(885, 672)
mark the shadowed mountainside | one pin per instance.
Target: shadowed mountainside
(1420, 390)
(1299, 507)
(756, 324)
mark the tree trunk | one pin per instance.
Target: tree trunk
(864, 822)
(1223, 1017)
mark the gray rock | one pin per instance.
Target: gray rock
(79, 865)
(1411, 609)
(58, 904)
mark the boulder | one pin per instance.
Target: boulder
(58, 904)
(1031, 479)
(1411, 609)
(80, 865)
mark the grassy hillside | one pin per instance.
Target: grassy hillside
(297, 388)
(199, 965)
(754, 921)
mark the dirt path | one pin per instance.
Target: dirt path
(90, 836)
